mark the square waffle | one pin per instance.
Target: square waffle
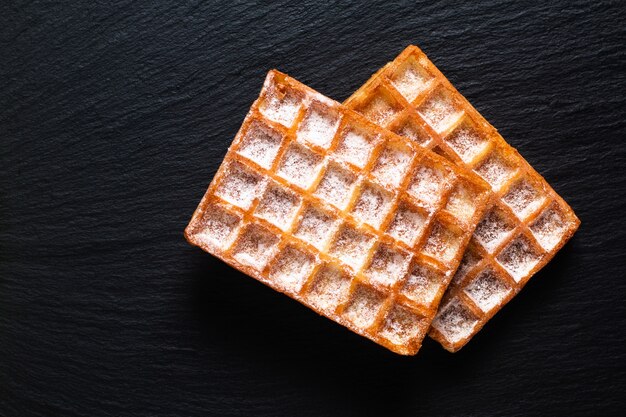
(358, 223)
(527, 221)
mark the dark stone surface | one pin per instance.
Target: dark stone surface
(114, 117)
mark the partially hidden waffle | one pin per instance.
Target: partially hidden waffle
(360, 224)
(527, 222)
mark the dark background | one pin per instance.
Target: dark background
(114, 117)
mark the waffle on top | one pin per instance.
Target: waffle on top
(362, 225)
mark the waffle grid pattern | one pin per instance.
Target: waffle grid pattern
(321, 204)
(526, 223)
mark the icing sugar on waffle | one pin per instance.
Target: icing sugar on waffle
(360, 224)
(527, 221)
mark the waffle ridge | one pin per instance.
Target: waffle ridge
(312, 199)
(526, 222)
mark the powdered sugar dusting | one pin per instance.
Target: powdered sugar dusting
(440, 111)
(239, 185)
(422, 284)
(427, 185)
(493, 229)
(388, 265)
(466, 142)
(217, 227)
(391, 165)
(329, 288)
(495, 170)
(355, 147)
(442, 243)
(336, 186)
(401, 325)
(319, 126)
(455, 321)
(291, 267)
(523, 198)
(462, 202)
(299, 165)
(260, 144)
(315, 227)
(372, 205)
(550, 227)
(278, 205)
(363, 307)
(519, 257)
(255, 246)
(487, 290)
(410, 80)
(351, 246)
(407, 224)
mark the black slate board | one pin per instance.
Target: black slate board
(114, 117)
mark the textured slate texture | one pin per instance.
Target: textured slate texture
(114, 117)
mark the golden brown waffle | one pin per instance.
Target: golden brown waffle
(360, 224)
(527, 222)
